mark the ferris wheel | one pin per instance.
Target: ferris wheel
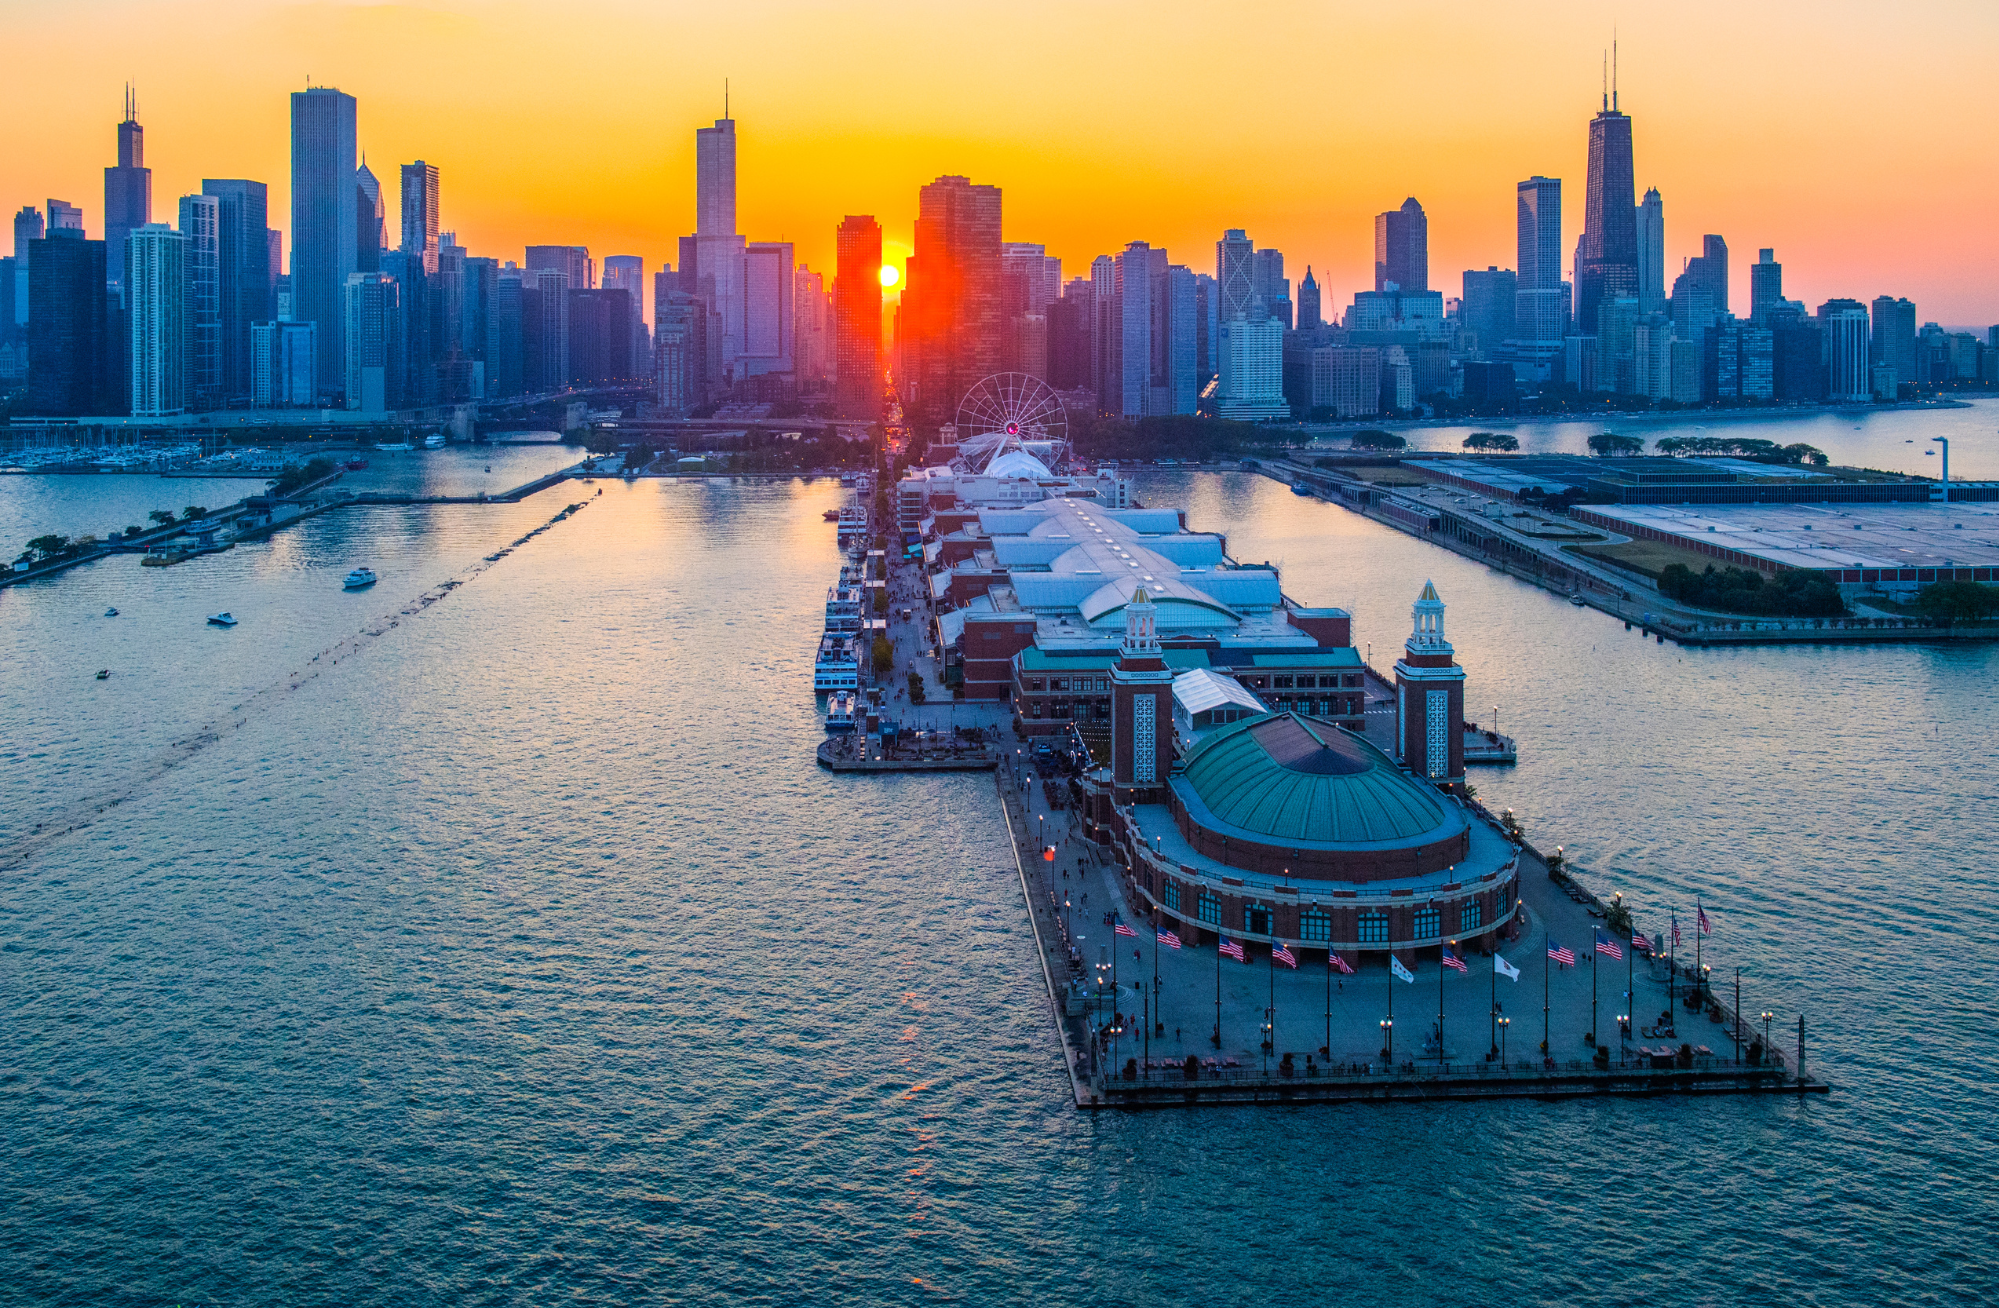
(1013, 406)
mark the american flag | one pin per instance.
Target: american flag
(1124, 930)
(1048, 853)
(1701, 914)
(1167, 938)
(1333, 960)
(1676, 933)
(1233, 948)
(1452, 960)
(1607, 947)
(1639, 942)
(1562, 954)
(1282, 954)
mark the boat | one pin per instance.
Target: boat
(831, 515)
(434, 441)
(397, 448)
(1300, 488)
(1576, 600)
(359, 579)
(102, 673)
(111, 613)
(840, 713)
(221, 620)
(355, 465)
(846, 479)
(837, 665)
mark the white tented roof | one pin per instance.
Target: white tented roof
(1197, 690)
(1017, 463)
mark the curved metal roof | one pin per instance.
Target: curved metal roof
(1300, 781)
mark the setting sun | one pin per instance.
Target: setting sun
(889, 275)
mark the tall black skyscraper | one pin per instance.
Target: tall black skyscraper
(128, 190)
(244, 252)
(1607, 258)
(324, 222)
(72, 357)
(1766, 285)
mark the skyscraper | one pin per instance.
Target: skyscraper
(769, 319)
(200, 223)
(281, 368)
(572, 261)
(243, 255)
(1652, 253)
(371, 233)
(600, 337)
(1707, 273)
(128, 189)
(370, 302)
(715, 270)
(156, 282)
(1894, 338)
(1272, 286)
(812, 335)
(857, 318)
(1540, 310)
(1487, 308)
(419, 204)
(627, 273)
(1402, 248)
(1849, 377)
(325, 223)
(71, 358)
(1141, 275)
(1235, 272)
(65, 217)
(1607, 259)
(1766, 285)
(950, 321)
(28, 226)
(1309, 319)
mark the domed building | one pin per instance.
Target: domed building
(1285, 827)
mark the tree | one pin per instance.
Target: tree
(1375, 439)
(1958, 601)
(1792, 593)
(193, 511)
(161, 517)
(1491, 440)
(1609, 444)
(134, 531)
(47, 547)
(915, 687)
(884, 653)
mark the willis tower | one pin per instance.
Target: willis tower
(1607, 255)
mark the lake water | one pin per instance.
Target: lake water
(525, 956)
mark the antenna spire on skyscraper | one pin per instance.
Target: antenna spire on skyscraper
(1613, 68)
(1606, 83)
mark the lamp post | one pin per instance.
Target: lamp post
(1504, 1022)
(1767, 1015)
(1945, 442)
(1388, 1040)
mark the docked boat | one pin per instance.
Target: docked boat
(221, 620)
(846, 479)
(111, 613)
(1576, 600)
(355, 465)
(396, 448)
(359, 579)
(434, 441)
(840, 713)
(831, 515)
(1300, 488)
(837, 665)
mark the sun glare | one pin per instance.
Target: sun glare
(889, 275)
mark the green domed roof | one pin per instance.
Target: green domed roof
(1297, 780)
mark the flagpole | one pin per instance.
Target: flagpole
(1545, 1051)
(1630, 989)
(1218, 988)
(1153, 996)
(1270, 1013)
(1672, 1000)
(1699, 913)
(1440, 1006)
(1592, 992)
(1327, 1052)
(1492, 1009)
(1738, 1014)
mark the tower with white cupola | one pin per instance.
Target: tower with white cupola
(1430, 697)
(1141, 705)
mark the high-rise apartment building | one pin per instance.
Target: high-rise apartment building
(1271, 285)
(1848, 351)
(325, 222)
(572, 261)
(1030, 281)
(1156, 334)
(156, 284)
(857, 318)
(281, 369)
(545, 330)
(711, 261)
(627, 273)
(65, 217)
(812, 333)
(1607, 257)
(950, 321)
(420, 213)
(1894, 339)
(1252, 349)
(1652, 255)
(28, 226)
(200, 228)
(128, 189)
(246, 277)
(600, 337)
(1487, 309)
(1766, 285)
(371, 305)
(1402, 248)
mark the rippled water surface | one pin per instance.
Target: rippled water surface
(524, 956)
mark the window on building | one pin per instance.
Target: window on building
(1352, 679)
(1281, 683)
(1327, 682)
(1173, 895)
(1374, 928)
(1256, 920)
(1427, 923)
(1037, 709)
(1036, 683)
(1470, 915)
(1315, 926)
(1211, 910)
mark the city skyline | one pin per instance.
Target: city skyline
(571, 171)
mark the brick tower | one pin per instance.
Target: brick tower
(1141, 707)
(1430, 697)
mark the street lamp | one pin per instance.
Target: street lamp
(1388, 1040)
(1504, 1022)
(1767, 1015)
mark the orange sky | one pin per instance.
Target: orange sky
(1857, 139)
